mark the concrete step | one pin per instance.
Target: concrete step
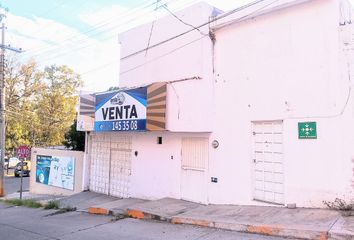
(162, 209)
(116, 208)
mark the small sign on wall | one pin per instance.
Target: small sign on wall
(307, 130)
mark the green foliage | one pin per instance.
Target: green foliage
(113, 88)
(41, 104)
(339, 204)
(52, 204)
(63, 210)
(25, 202)
(74, 140)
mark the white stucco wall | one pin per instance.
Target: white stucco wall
(39, 188)
(284, 65)
(156, 170)
(182, 58)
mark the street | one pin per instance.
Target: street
(12, 184)
(18, 223)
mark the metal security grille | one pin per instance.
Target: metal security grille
(268, 161)
(120, 170)
(100, 158)
(110, 164)
(194, 169)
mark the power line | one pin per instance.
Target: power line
(97, 26)
(200, 26)
(88, 45)
(174, 37)
(152, 25)
(140, 65)
(168, 53)
(46, 14)
(100, 67)
(247, 15)
(52, 9)
(104, 31)
(185, 23)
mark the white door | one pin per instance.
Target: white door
(268, 161)
(120, 169)
(194, 169)
(100, 161)
(110, 164)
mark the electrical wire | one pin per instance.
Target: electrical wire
(95, 27)
(140, 65)
(169, 39)
(200, 26)
(168, 53)
(46, 14)
(246, 16)
(71, 51)
(90, 44)
(152, 26)
(185, 23)
(103, 66)
(107, 30)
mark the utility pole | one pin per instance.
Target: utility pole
(3, 47)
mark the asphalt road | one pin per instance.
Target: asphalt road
(19, 223)
(12, 184)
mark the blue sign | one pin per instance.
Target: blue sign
(55, 171)
(121, 110)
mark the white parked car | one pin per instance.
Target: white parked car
(13, 162)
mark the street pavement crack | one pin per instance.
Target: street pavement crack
(84, 229)
(39, 234)
(330, 227)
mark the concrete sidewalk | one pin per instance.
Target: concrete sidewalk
(274, 221)
(299, 223)
(28, 195)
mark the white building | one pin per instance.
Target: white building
(258, 107)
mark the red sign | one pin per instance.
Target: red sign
(23, 152)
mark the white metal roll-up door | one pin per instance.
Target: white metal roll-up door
(194, 169)
(110, 164)
(268, 161)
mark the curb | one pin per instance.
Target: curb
(138, 214)
(98, 211)
(268, 230)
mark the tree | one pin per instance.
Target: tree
(40, 104)
(23, 83)
(56, 105)
(74, 140)
(113, 88)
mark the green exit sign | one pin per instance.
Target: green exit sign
(307, 130)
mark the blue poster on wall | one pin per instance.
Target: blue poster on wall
(56, 171)
(121, 110)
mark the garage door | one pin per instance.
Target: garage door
(110, 164)
(268, 161)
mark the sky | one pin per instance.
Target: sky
(83, 34)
